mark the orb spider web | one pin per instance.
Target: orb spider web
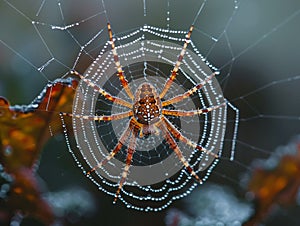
(155, 145)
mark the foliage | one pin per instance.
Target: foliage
(23, 132)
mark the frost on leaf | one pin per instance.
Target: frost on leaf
(23, 132)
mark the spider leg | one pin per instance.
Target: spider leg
(188, 93)
(102, 117)
(120, 73)
(177, 134)
(117, 148)
(178, 113)
(172, 143)
(177, 65)
(102, 91)
(130, 152)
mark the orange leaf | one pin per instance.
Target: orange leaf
(23, 132)
(279, 185)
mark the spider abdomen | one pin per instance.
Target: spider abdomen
(147, 107)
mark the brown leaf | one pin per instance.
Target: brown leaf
(23, 132)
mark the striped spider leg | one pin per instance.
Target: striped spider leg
(177, 65)
(189, 92)
(120, 72)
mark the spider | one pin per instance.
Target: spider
(146, 113)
